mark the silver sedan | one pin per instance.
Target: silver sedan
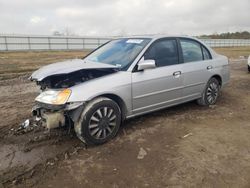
(124, 78)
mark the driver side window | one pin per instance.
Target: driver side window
(164, 52)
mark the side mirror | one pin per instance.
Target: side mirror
(146, 64)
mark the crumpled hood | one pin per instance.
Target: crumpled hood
(66, 67)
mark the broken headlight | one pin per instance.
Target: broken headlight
(56, 97)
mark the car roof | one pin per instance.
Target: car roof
(158, 36)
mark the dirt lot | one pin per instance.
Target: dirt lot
(183, 146)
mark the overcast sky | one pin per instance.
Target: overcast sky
(124, 17)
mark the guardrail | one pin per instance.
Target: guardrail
(25, 43)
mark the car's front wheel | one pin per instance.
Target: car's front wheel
(99, 122)
(211, 93)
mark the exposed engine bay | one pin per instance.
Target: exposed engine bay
(55, 81)
(70, 79)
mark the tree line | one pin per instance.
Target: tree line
(228, 35)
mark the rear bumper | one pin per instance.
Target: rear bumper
(53, 116)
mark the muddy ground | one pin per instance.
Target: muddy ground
(183, 146)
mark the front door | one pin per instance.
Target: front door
(161, 86)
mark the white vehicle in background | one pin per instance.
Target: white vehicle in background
(248, 64)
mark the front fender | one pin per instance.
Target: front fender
(118, 84)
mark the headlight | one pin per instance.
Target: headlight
(54, 97)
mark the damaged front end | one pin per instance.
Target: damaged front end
(53, 116)
(52, 107)
(68, 80)
(55, 80)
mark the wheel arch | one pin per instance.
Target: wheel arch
(118, 100)
(218, 77)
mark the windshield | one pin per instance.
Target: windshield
(119, 52)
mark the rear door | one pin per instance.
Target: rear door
(162, 86)
(197, 68)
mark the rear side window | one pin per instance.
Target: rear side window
(191, 51)
(206, 53)
(164, 52)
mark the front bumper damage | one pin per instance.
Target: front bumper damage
(53, 116)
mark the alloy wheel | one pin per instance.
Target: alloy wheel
(212, 92)
(102, 123)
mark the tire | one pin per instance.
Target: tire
(248, 68)
(210, 93)
(99, 121)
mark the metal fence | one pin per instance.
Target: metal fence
(23, 42)
(226, 42)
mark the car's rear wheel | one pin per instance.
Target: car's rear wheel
(211, 93)
(248, 68)
(99, 122)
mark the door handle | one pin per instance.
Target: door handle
(209, 67)
(177, 73)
